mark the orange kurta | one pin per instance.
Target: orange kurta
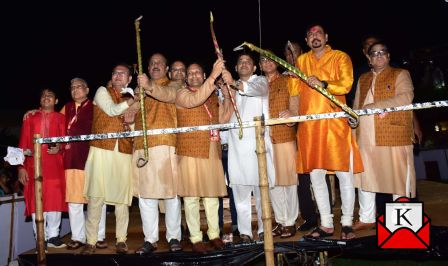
(325, 144)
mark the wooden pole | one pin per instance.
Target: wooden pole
(264, 191)
(40, 244)
(11, 228)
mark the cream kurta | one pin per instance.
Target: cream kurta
(202, 177)
(158, 179)
(285, 163)
(109, 173)
(387, 169)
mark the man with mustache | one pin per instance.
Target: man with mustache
(158, 178)
(326, 145)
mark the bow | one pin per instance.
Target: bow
(353, 119)
(141, 161)
(220, 56)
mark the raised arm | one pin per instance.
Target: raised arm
(162, 93)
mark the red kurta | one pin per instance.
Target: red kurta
(53, 185)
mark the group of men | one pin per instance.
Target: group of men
(189, 165)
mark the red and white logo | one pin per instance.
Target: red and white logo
(404, 226)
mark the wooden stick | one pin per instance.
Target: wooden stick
(11, 227)
(40, 245)
(264, 191)
(141, 161)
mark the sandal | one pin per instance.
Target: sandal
(288, 231)
(277, 230)
(347, 233)
(319, 231)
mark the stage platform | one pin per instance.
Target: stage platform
(290, 251)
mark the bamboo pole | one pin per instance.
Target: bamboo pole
(11, 228)
(40, 245)
(264, 191)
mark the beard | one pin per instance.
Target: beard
(316, 43)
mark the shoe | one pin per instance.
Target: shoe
(347, 233)
(199, 247)
(217, 244)
(101, 244)
(146, 248)
(88, 249)
(74, 244)
(121, 248)
(227, 238)
(205, 238)
(321, 233)
(175, 245)
(363, 226)
(307, 225)
(288, 231)
(56, 242)
(245, 239)
(277, 230)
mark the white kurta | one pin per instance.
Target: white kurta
(243, 164)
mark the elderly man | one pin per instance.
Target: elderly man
(79, 115)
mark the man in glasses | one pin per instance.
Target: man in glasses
(284, 193)
(78, 121)
(385, 140)
(108, 167)
(326, 145)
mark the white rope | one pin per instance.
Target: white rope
(246, 124)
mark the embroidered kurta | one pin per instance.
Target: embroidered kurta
(388, 169)
(283, 136)
(53, 185)
(202, 174)
(325, 144)
(78, 122)
(109, 171)
(159, 178)
(243, 163)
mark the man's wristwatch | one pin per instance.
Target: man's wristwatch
(324, 84)
(236, 83)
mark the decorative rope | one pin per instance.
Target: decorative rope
(246, 124)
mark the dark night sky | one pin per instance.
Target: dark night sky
(48, 44)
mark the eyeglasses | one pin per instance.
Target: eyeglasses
(378, 53)
(120, 73)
